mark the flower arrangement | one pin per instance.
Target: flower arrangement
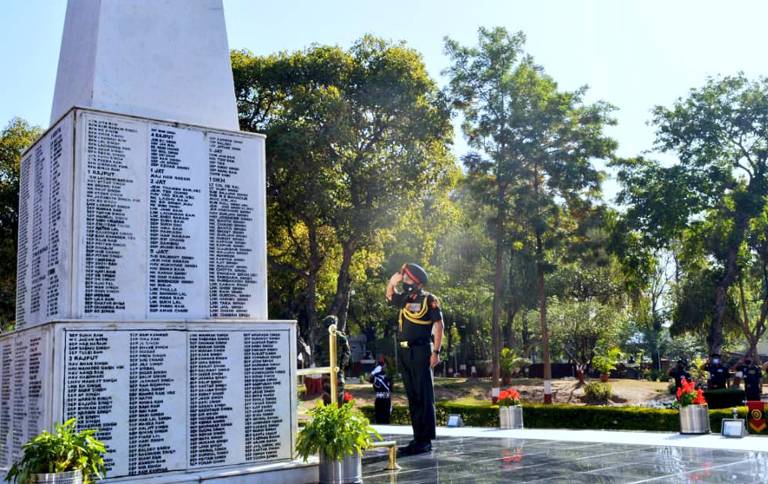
(687, 394)
(508, 398)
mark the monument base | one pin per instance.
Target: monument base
(174, 401)
(295, 472)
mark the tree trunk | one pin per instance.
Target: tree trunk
(656, 330)
(752, 335)
(512, 308)
(715, 336)
(340, 304)
(315, 261)
(498, 288)
(509, 333)
(525, 336)
(543, 319)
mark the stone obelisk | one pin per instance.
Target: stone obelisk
(164, 59)
(141, 294)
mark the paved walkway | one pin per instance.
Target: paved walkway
(485, 455)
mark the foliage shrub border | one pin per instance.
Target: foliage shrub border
(564, 416)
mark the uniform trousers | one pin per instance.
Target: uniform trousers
(417, 379)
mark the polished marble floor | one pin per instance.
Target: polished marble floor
(492, 460)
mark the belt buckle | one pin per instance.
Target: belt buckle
(404, 344)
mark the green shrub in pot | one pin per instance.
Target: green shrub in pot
(64, 450)
(335, 431)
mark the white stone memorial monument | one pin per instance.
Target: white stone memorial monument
(141, 293)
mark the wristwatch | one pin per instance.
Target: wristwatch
(437, 352)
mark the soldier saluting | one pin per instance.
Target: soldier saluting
(420, 318)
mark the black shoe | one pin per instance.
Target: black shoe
(414, 448)
(407, 449)
(422, 448)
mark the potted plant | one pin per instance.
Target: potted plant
(510, 411)
(511, 364)
(64, 456)
(339, 434)
(694, 412)
(606, 362)
(603, 366)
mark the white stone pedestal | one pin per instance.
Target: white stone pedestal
(169, 398)
(141, 303)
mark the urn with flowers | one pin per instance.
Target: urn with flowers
(694, 412)
(510, 411)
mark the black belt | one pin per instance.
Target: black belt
(414, 342)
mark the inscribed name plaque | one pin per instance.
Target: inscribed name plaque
(136, 219)
(25, 384)
(176, 397)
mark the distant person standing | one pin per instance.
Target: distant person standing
(718, 373)
(420, 318)
(679, 372)
(382, 386)
(753, 386)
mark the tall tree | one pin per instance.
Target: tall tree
(533, 149)
(355, 138)
(17, 136)
(717, 190)
(275, 97)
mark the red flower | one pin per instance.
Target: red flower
(348, 397)
(508, 397)
(688, 394)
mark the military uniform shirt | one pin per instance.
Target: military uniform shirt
(418, 311)
(718, 375)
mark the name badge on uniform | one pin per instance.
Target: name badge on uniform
(413, 307)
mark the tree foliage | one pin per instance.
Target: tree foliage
(356, 139)
(710, 199)
(533, 150)
(16, 137)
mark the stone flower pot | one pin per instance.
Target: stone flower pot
(511, 417)
(73, 477)
(347, 470)
(694, 419)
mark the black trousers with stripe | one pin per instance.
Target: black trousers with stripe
(417, 379)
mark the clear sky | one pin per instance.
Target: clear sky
(632, 53)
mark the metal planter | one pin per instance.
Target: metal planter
(72, 477)
(347, 470)
(511, 417)
(694, 419)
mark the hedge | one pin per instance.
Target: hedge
(564, 416)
